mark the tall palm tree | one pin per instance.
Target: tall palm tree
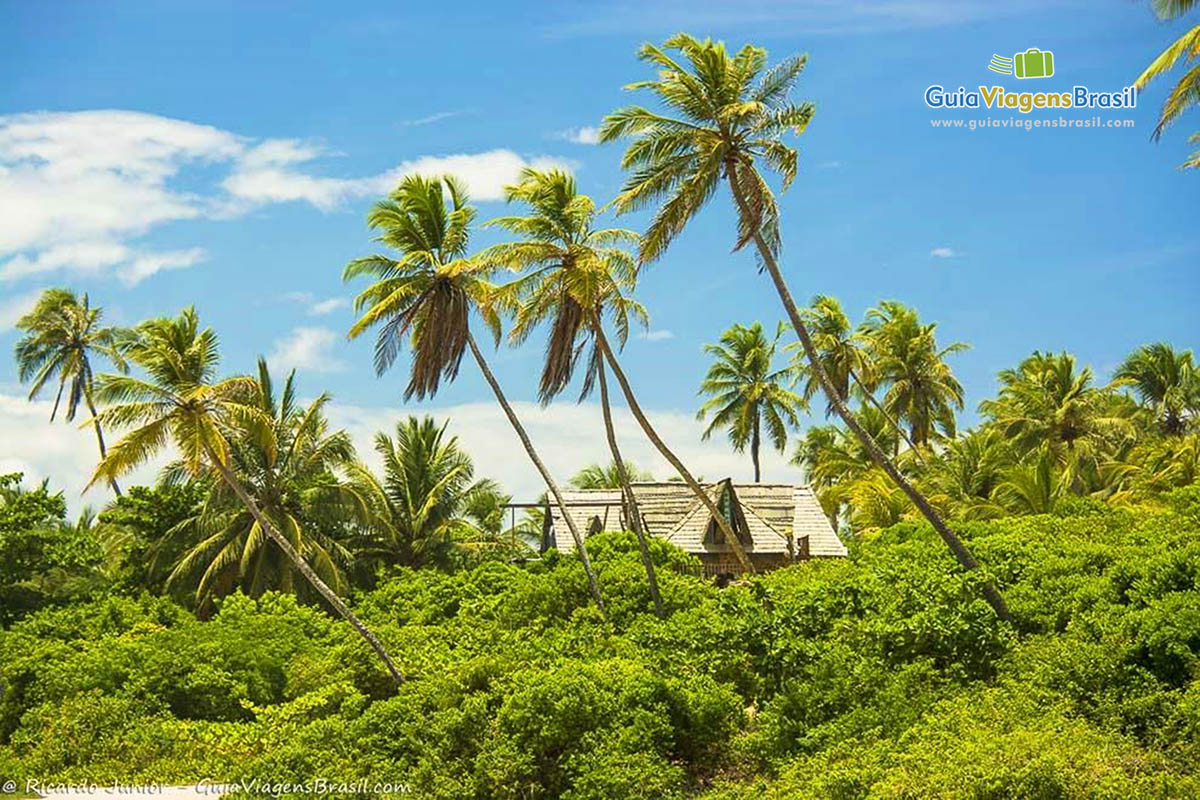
(921, 389)
(179, 403)
(1186, 92)
(577, 275)
(747, 391)
(731, 116)
(428, 295)
(302, 479)
(432, 502)
(62, 335)
(1166, 382)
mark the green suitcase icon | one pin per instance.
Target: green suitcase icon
(1034, 63)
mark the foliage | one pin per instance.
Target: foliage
(881, 675)
(432, 508)
(43, 559)
(595, 476)
(747, 391)
(1186, 91)
(301, 477)
(428, 293)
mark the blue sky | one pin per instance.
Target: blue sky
(224, 154)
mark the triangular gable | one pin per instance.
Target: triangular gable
(697, 520)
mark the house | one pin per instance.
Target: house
(776, 523)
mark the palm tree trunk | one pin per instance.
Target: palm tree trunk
(302, 566)
(87, 396)
(593, 584)
(631, 508)
(960, 551)
(879, 407)
(654, 438)
(754, 445)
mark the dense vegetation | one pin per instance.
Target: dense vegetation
(881, 675)
(1019, 617)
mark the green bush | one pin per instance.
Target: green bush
(879, 676)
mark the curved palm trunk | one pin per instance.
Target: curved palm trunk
(302, 566)
(631, 508)
(879, 407)
(965, 559)
(87, 396)
(593, 584)
(654, 438)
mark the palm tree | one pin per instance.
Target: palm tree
(1032, 488)
(432, 502)
(1047, 402)
(833, 459)
(596, 476)
(1187, 91)
(301, 477)
(921, 389)
(846, 359)
(179, 403)
(843, 353)
(747, 391)
(578, 274)
(964, 476)
(428, 296)
(1166, 382)
(732, 116)
(62, 336)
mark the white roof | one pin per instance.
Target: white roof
(672, 512)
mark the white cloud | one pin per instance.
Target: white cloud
(78, 190)
(146, 265)
(315, 307)
(306, 349)
(436, 117)
(588, 134)
(15, 307)
(66, 453)
(323, 307)
(568, 437)
(944, 252)
(657, 336)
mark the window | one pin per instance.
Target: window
(732, 512)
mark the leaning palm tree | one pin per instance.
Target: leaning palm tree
(1167, 383)
(428, 295)
(577, 274)
(62, 336)
(920, 387)
(1186, 92)
(302, 478)
(731, 117)
(179, 403)
(747, 391)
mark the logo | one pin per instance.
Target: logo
(1033, 63)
